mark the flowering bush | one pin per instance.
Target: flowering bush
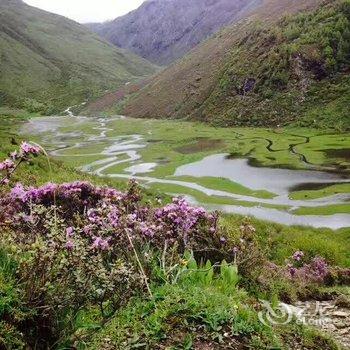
(313, 272)
(102, 217)
(75, 242)
(298, 277)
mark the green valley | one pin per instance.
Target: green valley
(201, 206)
(48, 63)
(161, 158)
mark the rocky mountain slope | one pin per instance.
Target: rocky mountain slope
(164, 30)
(287, 62)
(48, 62)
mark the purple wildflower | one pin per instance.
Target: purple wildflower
(18, 192)
(69, 231)
(223, 240)
(7, 165)
(28, 149)
(100, 243)
(69, 245)
(298, 255)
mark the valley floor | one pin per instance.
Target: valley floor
(289, 176)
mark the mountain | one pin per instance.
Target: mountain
(288, 62)
(48, 62)
(165, 30)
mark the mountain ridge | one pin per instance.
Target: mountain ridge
(267, 69)
(49, 62)
(163, 31)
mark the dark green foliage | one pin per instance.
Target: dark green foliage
(293, 64)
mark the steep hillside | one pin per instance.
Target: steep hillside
(164, 30)
(281, 65)
(48, 62)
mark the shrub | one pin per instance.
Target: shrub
(77, 245)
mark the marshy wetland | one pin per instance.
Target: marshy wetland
(290, 176)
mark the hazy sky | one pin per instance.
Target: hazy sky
(87, 10)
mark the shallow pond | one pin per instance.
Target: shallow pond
(279, 181)
(141, 168)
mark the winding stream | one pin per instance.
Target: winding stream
(125, 150)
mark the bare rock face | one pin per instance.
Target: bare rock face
(164, 30)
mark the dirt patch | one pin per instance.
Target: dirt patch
(154, 141)
(202, 144)
(343, 153)
(163, 160)
(112, 98)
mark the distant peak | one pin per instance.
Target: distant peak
(11, 2)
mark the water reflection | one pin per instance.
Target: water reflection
(279, 181)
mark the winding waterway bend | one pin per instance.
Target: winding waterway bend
(100, 149)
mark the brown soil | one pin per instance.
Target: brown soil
(338, 153)
(112, 98)
(201, 145)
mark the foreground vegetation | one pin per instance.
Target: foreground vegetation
(204, 273)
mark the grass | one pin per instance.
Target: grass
(281, 241)
(192, 315)
(314, 194)
(243, 142)
(225, 185)
(324, 210)
(203, 198)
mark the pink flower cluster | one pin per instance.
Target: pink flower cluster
(102, 216)
(182, 219)
(298, 255)
(8, 165)
(81, 192)
(315, 271)
(28, 149)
